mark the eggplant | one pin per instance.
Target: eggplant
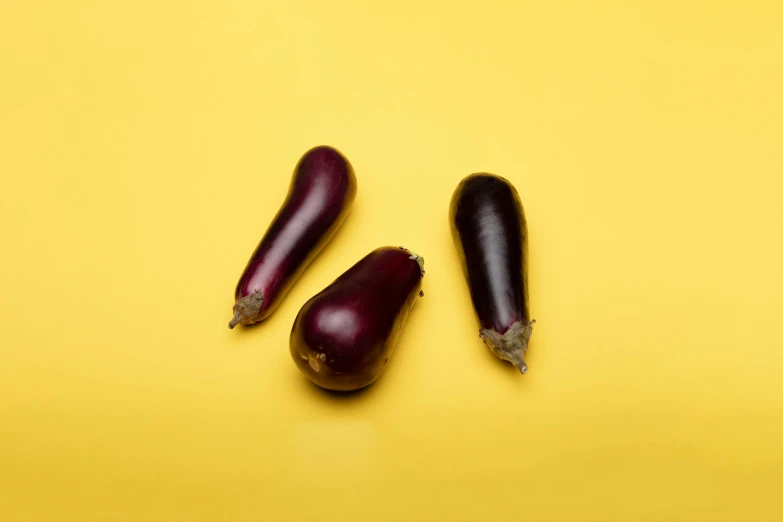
(319, 198)
(489, 230)
(343, 337)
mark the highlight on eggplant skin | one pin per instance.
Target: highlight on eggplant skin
(320, 196)
(343, 337)
(489, 230)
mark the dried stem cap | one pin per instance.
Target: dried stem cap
(246, 309)
(512, 345)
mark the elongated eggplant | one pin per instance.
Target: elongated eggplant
(489, 229)
(343, 337)
(319, 198)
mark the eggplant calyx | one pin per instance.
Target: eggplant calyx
(246, 309)
(512, 345)
(419, 260)
(415, 257)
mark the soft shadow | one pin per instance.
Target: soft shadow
(508, 370)
(240, 334)
(246, 329)
(247, 337)
(341, 395)
(335, 397)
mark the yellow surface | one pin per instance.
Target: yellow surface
(145, 147)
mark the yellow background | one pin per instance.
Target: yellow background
(145, 147)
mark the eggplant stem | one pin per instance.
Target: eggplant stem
(246, 309)
(236, 320)
(520, 363)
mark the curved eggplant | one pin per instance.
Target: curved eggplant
(489, 230)
(319, 198)
(343, 337)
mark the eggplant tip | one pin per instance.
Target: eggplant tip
(246, 309)
(512, 345)
(418, 259)
(235, 321)
(521, 366)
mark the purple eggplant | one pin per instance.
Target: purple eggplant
(489, 229)
(343, 337)
(319, 198)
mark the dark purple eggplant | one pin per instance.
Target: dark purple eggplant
(489, 229)
(343, 337)
(319, 198)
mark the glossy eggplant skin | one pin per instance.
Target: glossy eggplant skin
(319, 199)
(343, 337)
(489, 230)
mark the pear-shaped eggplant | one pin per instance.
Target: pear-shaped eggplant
(343, 338)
